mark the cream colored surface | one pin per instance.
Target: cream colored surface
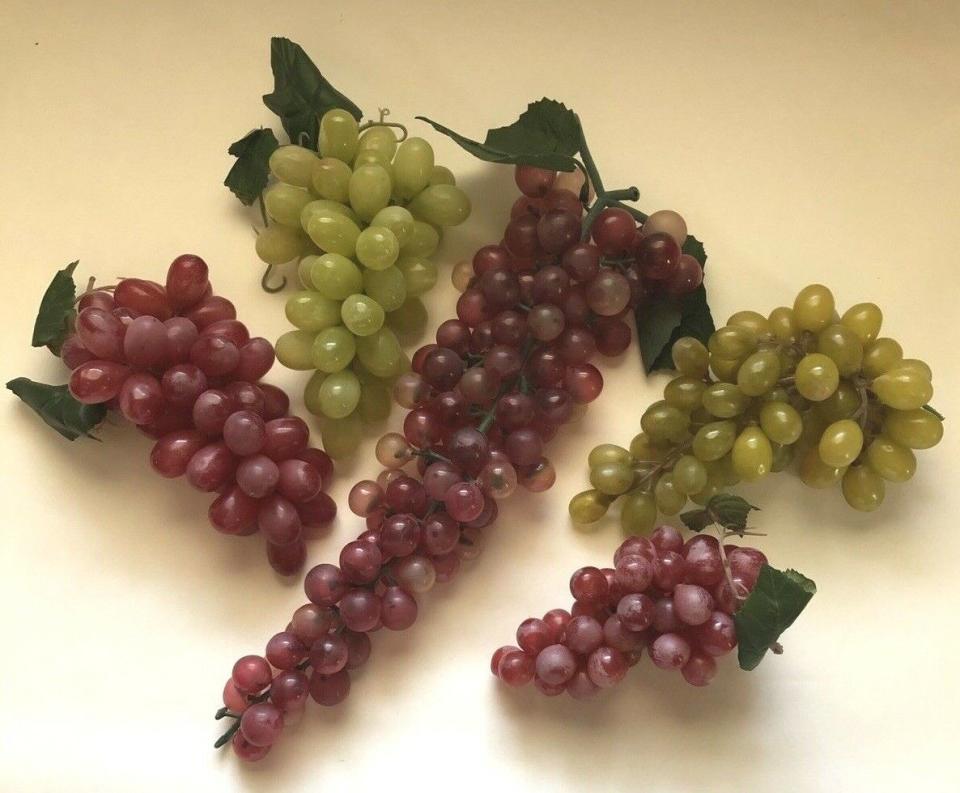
(803, 142)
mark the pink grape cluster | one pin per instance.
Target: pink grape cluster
(175, 361)
(673, 598)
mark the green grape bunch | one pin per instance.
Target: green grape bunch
(362, 216)
(802, 385)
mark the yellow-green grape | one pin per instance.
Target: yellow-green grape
(893, 461)
(295, 350)
(441, 175)
(725, 369)
(842, 345)
(420, 275)
(375, 400)
(362, 315)
(643, 449)
(398, 220)
(724, 400)
(412, 166)
(613, 479)
(782, 457)
(341, 437)
(722, 471)
(689, 475)
(377, 248)
(663, 422)
(284, 203)
(880, 356)
(684, 393)
(917, 366)
(379, 139)
(841, 443)
(338, 135)
(311, 393)
(841, 404)
(423, 241)
(709, 491)
(759, 373)
(783, 325)
(609, 453)
(690, 357)
(752, 321)
(441, 205)
(864, 319)
(325, 205)
(387, 287)
(669, 499)
(732, 342)
(781, 422)
(304, 270)
(863, 488)
(817, 377)
(813, 308)
(278, 244)
(334, 276)
(778, 394)
(333, 349)
(380, 353)
(293, 164)
(916, 429)
(311, 311)
(714, 440)
(752, 454)
(815, 473)
(902, 389)
(410, 319)
(369, 191)
(377, 158)
(333, 233)
(638, 512)
(339, 394)
(588, 506)
(331, 180)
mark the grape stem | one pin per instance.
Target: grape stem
(266, 277)
(263, 210)
(487, 421)
(384, 112)
(665, 464)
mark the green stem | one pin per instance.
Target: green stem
(589, 165)
(263, 210)
(228, 735)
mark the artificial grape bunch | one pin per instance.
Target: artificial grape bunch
(174, 360)
(802, 383)
(364, 217)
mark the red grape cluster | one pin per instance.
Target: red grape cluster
(175, 361)
(674, 598)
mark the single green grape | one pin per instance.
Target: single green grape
(441, 175)
(638, 512)
(293, 164)
(386, 287)
(781, 422)
(311, 311)
(311, 393)
(842, 345)
(278, 244)
(377, 248)
(334, 276)
(338, 135)
(864, 319)
(398, 220)
(412, 167)
(714, 440)
(752, 454)
(369, 191)
(756, 323)
(609, 453)
(783, 325)
(689, 475)
(841, 404)
(441, 205)
(815, 473)
(880, 356)
(893, 461)
(663, 422)
(863, 488)
(690, 357)
(304, 268)
(725, 400)
(410, 319)
(817, 377)
(841, 443)
(759, 373)
(339, 394)
(782, 457)
(378, 139)
(732, 342)
(378, 158)
(375, 401)
(725, 369)
(903, 389)
(915, 365)
(284, 203)
(362, 315)
(331, 180)
(777, 394)
(341, 437)
(333, 349)
(380, 352)
(419, 274)
(294, 350)
(668, 497)
(588, 507)
(813, 308)
(423, 241)
(613, 479)
(684, 393)
(333, 233)
(326, 205)
(915, 429)
(644, 449)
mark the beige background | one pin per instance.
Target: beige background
(803, 142)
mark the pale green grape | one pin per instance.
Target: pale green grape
(333, 233)
(325, 205)
(864, 319)
(362, 315)
(881, 355)
(338, 135)
(669, 498)
(752, 454)
(815, 473)
(377, 248)
(756, 323)
(714, 440)
(423, 241)
(369, 190)
(588, 506)
(611, 478)
(378, 139)
(841, 443)
(638, 513)
(441, 205)
(782, 457)
(441, 175)
(916, 429)
(841, 404)
(917, 366)
(398, 220)
(380, 352)
(311, 393)
(643, 449)
(412, 167)
(608, 453)
(339, 394)
(293, 164)
(386, 287)
(419, 274)
(333, 349)
(304, 267)
(903, 389)
(663, 422)
(759, 373)
(690, 357)
(780, 422)
(725, 369)
(375, 401)
(783, 325)
(341, 437)
(689, 475)
(377, 158)
(335, 277)
(817, 377)
(841, 344)
(410, 319)
(311, 311)
(284, 203)
(684, 393)
(813, 308)
(863, 488)
(331, 179)
(725, 400)
(893, 461)
(295, 350)
(277, 244)
(732, 342)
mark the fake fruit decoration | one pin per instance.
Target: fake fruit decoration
(174, 360)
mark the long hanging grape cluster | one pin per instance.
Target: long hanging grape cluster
(364, 217)
(483, 401)
(175, 361)
(802, 383)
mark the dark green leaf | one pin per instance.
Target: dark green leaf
(931, 409)
(656, 324)
(56, 309)
(775, 602)
(547, 135)
(693, 247)
(57, 407)
(250, 173)
(301, 94)
(725, 509)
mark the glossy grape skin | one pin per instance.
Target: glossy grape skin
(903, 389)
(813, 307)
(863, 488)
(752, 454)
(817, 377)
(97, 381)
(864, 319)
(915, 429)
(780, 422)
(893, 461)
(841, 443)
(880, 356)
